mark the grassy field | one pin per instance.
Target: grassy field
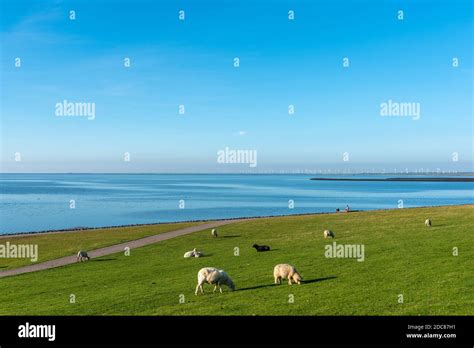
(55, 245)
(402, 257)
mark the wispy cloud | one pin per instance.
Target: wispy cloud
(38, 28)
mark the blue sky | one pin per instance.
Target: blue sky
(190, 62)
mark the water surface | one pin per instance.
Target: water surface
(38, 202)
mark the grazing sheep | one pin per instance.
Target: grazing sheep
(428, 223)
(285, 271)
(82, 256)
(261, 247)
(214, 232)
(329, 234)
(211, 275)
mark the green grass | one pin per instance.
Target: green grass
(56, 245)
(402, 256)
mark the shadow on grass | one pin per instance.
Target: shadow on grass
(230, 236)
(200, 257)
(309, 281)
(100, 260)
(266, 250)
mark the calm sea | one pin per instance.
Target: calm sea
(38, 202)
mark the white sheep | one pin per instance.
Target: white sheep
(189, 254)
(428, 223)
(211, 275)
(329, 234)
(285, 271)
(193, 253)
(214, 232)
(82, 256)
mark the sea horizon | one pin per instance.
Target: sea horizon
(276, 172)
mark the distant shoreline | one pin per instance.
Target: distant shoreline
(398, 179)
(86, 228)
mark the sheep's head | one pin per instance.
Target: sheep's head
(297, 278)
(255, 246)
(231, 284)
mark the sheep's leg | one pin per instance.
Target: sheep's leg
(215, 287)
(220, 289)
(199, 286)
(289, 280)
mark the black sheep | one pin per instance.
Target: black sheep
(261, 247)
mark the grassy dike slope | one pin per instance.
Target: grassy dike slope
(402, 256)
(55, 245)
